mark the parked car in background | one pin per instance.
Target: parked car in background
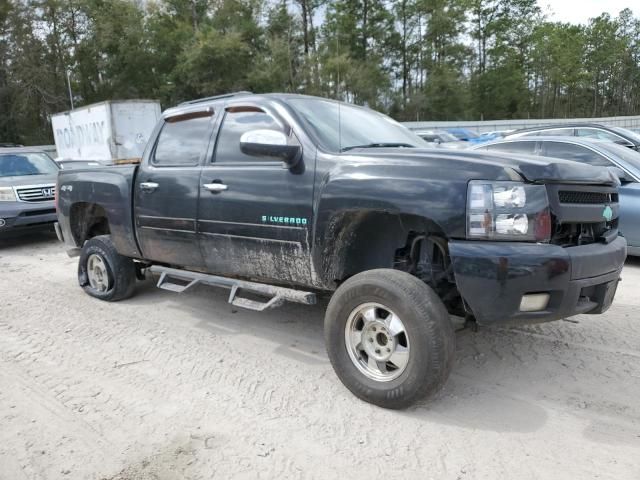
(463, 134)
(470, 137)
(590, 152)
(27, 189)
(618, 135)
(441, 139)
(48, 149)
(496, 134)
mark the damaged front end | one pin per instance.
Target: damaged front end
(574, 270)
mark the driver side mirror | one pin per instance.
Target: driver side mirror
(270, 143)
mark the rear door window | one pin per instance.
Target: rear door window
(577, 153)
(524, 148)
(560, 132)
(183, 140)
(601, 135)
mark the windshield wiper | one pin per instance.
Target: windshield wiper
(378, 145)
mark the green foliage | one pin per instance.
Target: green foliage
(278, 66)
(213, 63)
(416, 59)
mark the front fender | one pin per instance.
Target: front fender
(389, 204)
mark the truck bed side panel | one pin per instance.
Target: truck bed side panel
(109, 188)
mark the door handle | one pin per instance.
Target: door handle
(148, 186)
(215, 187)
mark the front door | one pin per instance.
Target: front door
(167, 188)
(255, 216)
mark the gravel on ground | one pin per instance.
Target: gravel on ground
(166, 386)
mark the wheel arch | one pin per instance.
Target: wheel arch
(88, 220)
(356, 241)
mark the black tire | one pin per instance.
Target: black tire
(121, 270)
(427, 325)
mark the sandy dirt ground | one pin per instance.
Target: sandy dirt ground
(166, 386)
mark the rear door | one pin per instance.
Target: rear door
(257, 224)
(167, 188)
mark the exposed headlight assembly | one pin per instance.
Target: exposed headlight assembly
(7, 195)
(511, 211)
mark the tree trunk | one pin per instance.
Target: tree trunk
(194, 15)
(404, 52)
(305, 25)
(365, 33)
(595, 97)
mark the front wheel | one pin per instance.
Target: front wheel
(389, 338)
(103, 273)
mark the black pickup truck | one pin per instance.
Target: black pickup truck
(288, 197)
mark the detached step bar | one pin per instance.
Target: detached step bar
(277, 295)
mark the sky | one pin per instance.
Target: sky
(580, 11)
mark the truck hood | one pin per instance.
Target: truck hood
(530, 168)
(23, 180)
(553, 170)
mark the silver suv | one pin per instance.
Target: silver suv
(27, 189)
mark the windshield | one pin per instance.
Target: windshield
(347, 127)
(22, 164)
(628, 133)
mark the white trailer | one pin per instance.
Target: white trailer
(115, 131)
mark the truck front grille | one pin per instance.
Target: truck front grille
(583, 214)
(36, 193)
(568, 196)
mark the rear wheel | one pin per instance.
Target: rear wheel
(389, 338)
(103, 273)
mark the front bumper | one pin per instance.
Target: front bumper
(24, 215)
(492, 277)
